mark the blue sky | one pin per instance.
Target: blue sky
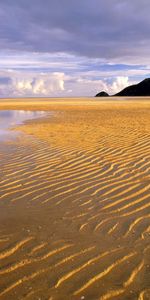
(72, 48)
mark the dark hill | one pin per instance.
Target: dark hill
(102, 94)
(140, 89)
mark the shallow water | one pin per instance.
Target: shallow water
(11, 118)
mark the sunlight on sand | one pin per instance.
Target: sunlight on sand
(74, 201)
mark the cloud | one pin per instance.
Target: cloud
(41, 85)
(90, 87)
(5, 80)
(119, 84)
(30, 84)
(57, 84)
(69, 64)
(113, 30)
(66, 47)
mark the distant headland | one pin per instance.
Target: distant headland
(140, 89)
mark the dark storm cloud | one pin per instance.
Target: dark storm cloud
(94, 28)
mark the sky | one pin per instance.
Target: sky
(67, 48)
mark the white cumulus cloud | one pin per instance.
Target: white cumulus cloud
(28, 84)
(119, 84)
(58, 84)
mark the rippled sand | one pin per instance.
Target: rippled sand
(75, 202)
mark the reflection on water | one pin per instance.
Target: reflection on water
(10, 118)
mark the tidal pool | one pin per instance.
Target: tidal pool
(11, 118)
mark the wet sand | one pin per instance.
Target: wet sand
(75, 201)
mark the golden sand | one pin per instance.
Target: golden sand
(75, 201)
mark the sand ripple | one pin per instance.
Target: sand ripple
(74, 206)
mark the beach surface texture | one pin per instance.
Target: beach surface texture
(75, 201)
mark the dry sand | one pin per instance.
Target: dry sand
(75, 202)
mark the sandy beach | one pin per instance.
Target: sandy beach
(75, 201)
